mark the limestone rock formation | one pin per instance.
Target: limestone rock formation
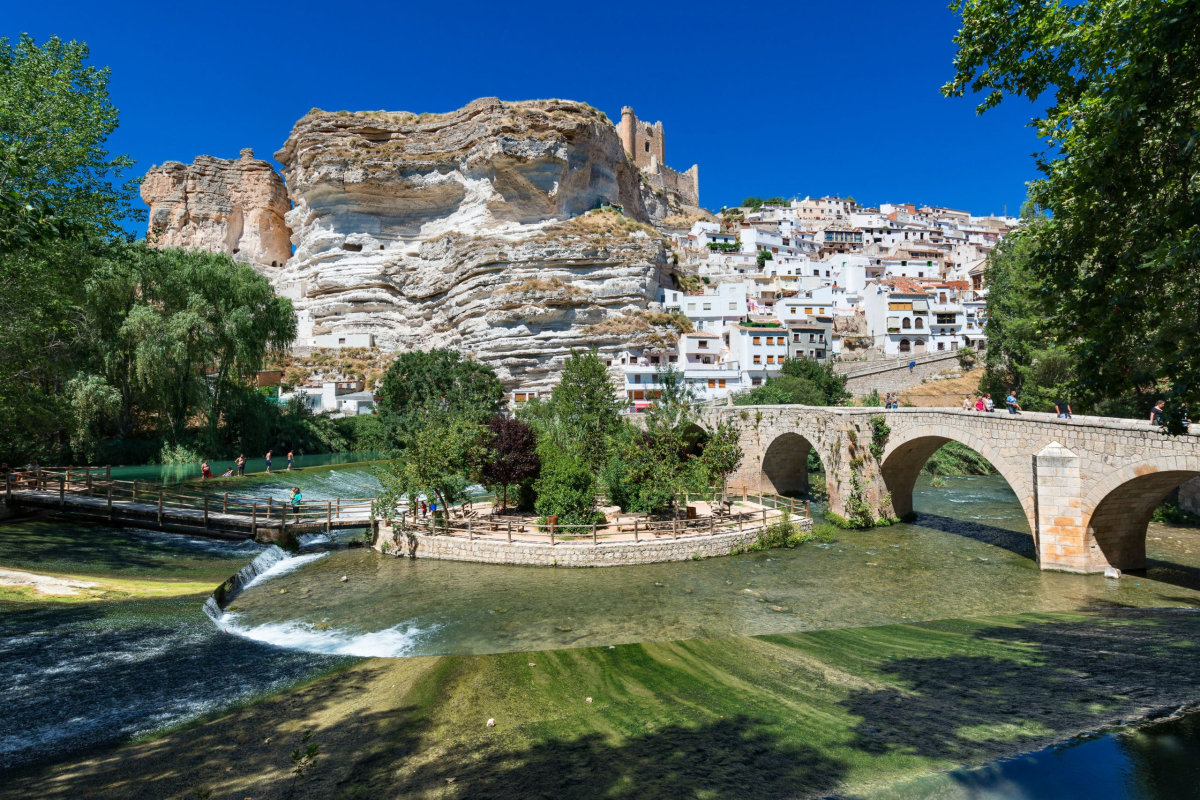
(464, 230)
(229, 206)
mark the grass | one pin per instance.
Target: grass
(788, 715)
(552, 284)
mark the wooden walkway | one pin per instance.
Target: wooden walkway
(91, 494)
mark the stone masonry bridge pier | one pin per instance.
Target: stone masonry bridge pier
(1088, 485)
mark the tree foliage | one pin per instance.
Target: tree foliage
(509, 456)
(1119, 254)
(435, 464)
(420, 380)
(566, 488)
(584, 406)
(831, 385)
(783, 390)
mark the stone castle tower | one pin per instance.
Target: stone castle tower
(646, 145)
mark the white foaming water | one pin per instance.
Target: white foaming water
(282, 567)
(394, 642)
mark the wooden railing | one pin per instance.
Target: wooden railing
(635, 529)
(97, 482)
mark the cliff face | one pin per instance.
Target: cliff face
(464, 230)
(230, 206)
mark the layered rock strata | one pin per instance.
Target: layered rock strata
(463, 230)
(228, 206)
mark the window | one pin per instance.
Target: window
(820, 337)
(808, 311)
(756, 381)
(721, 383)
(820, 354)
(770, 359)
(733, 306)
(920, 323)
(653, 359)
(672, 359)
(691, 306)
(637, 378)
(608, 363)
(795, 337)
(341, 342)
(758, 359)
(702, 344)
(906, 323)
(647, 147)
(712, 383)
(706, 360)
(941, 345)
(946, 319)
(757, 340)
(904, 346)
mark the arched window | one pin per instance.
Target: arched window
(904, 346)
(920, 323)
(906, 323)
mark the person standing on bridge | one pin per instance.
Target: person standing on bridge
(297, 498)
(1011, 401)
(241, 465)
(988, 404)
(269, 462)
(1156, 413)
(967, 404)
(980, 406)
(1062, 408)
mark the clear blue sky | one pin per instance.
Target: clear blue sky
(785, 99)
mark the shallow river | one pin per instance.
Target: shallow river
(119, 668)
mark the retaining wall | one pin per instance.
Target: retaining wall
(893, 375)
(603, 554)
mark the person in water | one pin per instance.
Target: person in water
(297, 498)
(291, 458)
(268, 462)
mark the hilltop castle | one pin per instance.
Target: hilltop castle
(646, 146)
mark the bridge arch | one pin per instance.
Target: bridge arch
(907, 451)
(784, 466)
(1118, 508)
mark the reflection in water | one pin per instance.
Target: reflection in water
(970, 554)
(1155, 762)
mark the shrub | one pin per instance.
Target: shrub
(566, 488)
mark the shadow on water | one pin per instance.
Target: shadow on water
(1017, 542)
(1062, 674)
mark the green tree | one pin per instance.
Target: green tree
(721, 456)
(1120, 251)
(675, 405)
(436, 463)
(566, 488)
(783, 390)
(55, 119)
(831, 385)
(763, 257)
(585, 405)
(420, 380)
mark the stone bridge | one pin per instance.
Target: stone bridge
(1088, 485)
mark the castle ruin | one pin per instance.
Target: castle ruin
(646, 145)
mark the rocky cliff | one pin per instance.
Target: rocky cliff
(464, 230)
(230, 206)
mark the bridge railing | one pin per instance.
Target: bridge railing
(253, 511)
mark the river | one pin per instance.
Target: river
(133, 665)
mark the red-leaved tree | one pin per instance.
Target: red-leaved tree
(510, 456)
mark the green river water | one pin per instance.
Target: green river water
(123, 668)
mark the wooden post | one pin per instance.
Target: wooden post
(792, 503)
(740, 518)
(510, 532)
(110, 501)
(339, 508)
(135, 491)
(743, 492)
(68, 476)
(764, 510)
(593, 534)
(329, 517)
(269, 499)
(635, 531)
(254, 521)
(807, 510)
(712, 524)
(108, 472)
(62, 493)
(470, 531)
(205, 512)
(552, 534)
(675, 525)
(225, 503)
(89, 481)
(160, 499)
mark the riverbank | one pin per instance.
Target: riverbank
(801, 714)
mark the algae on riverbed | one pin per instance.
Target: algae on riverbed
(784, 715)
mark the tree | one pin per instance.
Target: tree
(435, 463)
(783, 390)
(721, 456)
(831, 385)
(675, 406)
(55, 118)
(509, 455)
(645, 469)
(763, 257)
(1120, 251)
(566, 488)
(585, 404)
(419, 380)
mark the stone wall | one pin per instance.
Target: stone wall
(684, 184)
(603, 554)
(894, 375)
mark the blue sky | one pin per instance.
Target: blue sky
(785, 99)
